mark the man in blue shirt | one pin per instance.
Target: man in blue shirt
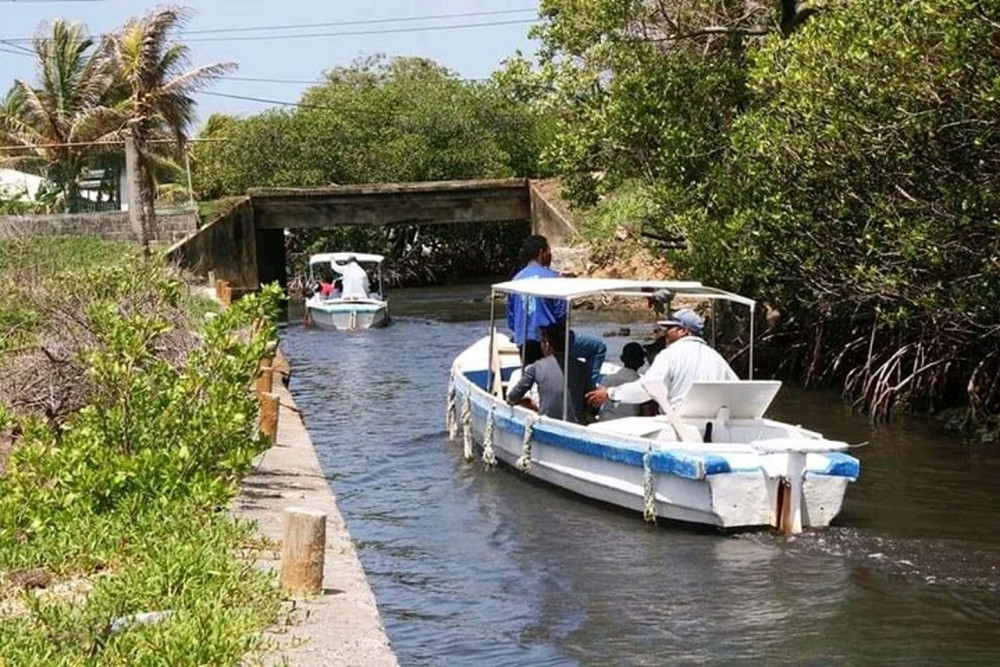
(526, 315)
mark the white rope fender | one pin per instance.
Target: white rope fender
(467, 427)
(648, 493)
(451, 413)
(524, 461)
(489, 458)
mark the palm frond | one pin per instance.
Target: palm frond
(191, 81)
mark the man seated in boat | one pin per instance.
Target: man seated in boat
(355, 279)
(547, 374)
(633, 357)
(326, 284)
(686, 359)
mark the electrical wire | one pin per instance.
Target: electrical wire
(405, 19)
(427, 17)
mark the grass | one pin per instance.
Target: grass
(210, 210)
(115, 519)
(182, 560)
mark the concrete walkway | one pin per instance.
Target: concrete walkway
(342, 626)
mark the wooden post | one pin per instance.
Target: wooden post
(265, 380)
(226, 296)
(303, 550)
(269, 415)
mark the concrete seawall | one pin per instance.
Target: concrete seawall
(342, 626)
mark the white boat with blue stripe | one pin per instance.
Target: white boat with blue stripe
(716, 460)
(361, 309)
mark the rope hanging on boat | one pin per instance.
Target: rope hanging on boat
(467, 427)
(648, 493)
(524, 461)
(489, 458)
(451, 413)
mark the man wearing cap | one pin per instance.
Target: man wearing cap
(686, 359)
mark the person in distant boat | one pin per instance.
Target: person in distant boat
(355, 279)
(632, 357)
(686, 359)
(547, 374)
(326, 283)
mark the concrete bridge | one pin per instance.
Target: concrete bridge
(246, 246)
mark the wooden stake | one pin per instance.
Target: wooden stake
(265, 380)
(303, 550)
(269, 415)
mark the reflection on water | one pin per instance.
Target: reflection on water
(474, 566)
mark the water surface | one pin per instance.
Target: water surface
(486, 567)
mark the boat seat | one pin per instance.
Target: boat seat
(744, 399)
(505, 354)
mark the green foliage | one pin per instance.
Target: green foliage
(126, 492)
(628, 107)
(405, 119)
(17, 203)
(180, 559)
(843, 170)
(33, 274)
(625, 213)
(400, 120)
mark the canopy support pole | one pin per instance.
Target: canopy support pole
(566, 360)
(493, 335)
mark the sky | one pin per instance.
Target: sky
(472, 52)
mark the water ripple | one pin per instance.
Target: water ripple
(486, 567)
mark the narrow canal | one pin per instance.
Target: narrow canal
(482, 567)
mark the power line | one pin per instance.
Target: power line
(405, 19)
(23, 49)
(313, 82)
(352, 33)
(301, 105)
(262, 80)
(107, 142)
(427, 17)
(16, 53)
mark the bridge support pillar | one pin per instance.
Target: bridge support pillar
(271, 260)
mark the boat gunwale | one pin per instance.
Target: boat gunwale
(682, 462)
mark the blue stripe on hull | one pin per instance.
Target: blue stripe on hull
(682, 464)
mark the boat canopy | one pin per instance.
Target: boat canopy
(341, 257)
(574, 288)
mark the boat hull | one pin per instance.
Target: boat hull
(727, 485)
(347, 315)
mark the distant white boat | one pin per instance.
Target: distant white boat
(348, 311)
(716, 460)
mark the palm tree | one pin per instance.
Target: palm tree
(55, 121)
(151, 69)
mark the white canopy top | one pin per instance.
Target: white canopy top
(574, 288)
(341, 257)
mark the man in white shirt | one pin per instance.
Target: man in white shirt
(355, 279)
(686, 359)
